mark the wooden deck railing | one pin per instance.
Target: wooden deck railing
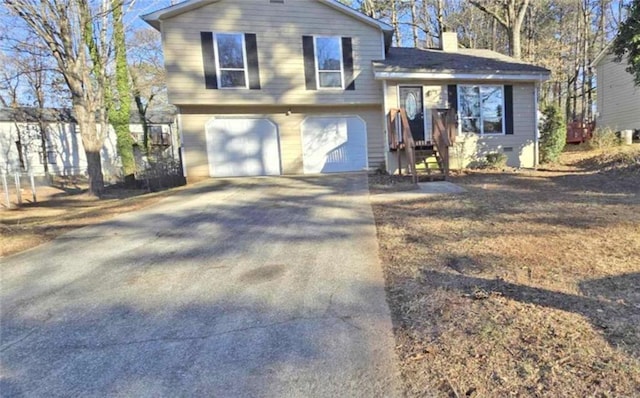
(402, 140)
(444, 135)
(579, 131)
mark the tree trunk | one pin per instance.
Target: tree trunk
(43, 127)
(19, 147)
(119, 105)
(142, 112)
(494, 35)
(43, 145)
(396, 23)
(414, 23)
(94, 169)
(92, 146)
(440, 16)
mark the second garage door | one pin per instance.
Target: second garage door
(239, 147)
(332, 144)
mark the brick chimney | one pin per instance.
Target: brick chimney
(449, 41)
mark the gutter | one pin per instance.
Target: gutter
(536, 139)
(536, 77)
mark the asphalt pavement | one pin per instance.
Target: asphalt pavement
(259, 287)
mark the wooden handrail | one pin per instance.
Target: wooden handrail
(391, 130)
(406, 141)
(444, 135)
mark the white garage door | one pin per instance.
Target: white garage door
(334, 144)
(242, 147)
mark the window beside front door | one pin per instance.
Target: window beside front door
(329, 65)
(231, 60)
(481, 109)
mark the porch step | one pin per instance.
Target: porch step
(428, 165)
(424, 153)
(431, 175)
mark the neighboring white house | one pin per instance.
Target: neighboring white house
(618, 105)
(21, 146)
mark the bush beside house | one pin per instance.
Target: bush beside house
(553, 134)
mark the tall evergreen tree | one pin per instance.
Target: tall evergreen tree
(627, 42)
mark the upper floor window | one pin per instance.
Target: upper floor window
(481, 109)
(329, 62)
(231, 56)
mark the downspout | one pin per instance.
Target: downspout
(183, 159)
(385, 126)
(536, 145)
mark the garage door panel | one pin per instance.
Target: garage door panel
(239, 147)
(333, 144)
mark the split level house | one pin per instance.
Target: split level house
(270, 87)
(618, 98)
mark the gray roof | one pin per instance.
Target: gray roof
(26, 114)
(463, 61)
(32, 115)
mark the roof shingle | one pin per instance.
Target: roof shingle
(165, 115)
(401, 59)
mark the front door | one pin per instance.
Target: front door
(411, 102)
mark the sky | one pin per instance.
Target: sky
(133, 22)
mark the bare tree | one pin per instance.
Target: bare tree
(40, 78)
(9, 98)
(66, 28)
(148, 75)
(510, 14)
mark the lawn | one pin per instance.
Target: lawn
(528, 284)
(60, 209)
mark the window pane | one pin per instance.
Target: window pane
(328, 53)
(232, 78)
(230, 51)
(331, 79)
(492, 99)
(470, 125)
(469, 101)
(492, 125)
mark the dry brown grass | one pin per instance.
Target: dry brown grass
(61, 210)
(526, 285)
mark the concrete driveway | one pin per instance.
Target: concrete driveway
(264, 287)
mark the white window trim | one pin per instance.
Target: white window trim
(219, 69)
(482, 133)
(315, 59)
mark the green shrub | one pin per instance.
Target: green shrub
(553, 134)
(604, 138)
(496, 160)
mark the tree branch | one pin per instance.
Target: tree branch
(493, 13)
(522, 11)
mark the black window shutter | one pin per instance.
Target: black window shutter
(209, 60)
(309, 62)
(452, 93)
(252, 60)
(508, 109)
(347, 62)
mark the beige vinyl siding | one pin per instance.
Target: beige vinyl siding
(471, 148)
(279, 29)
(618, 98)
(194, 141)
